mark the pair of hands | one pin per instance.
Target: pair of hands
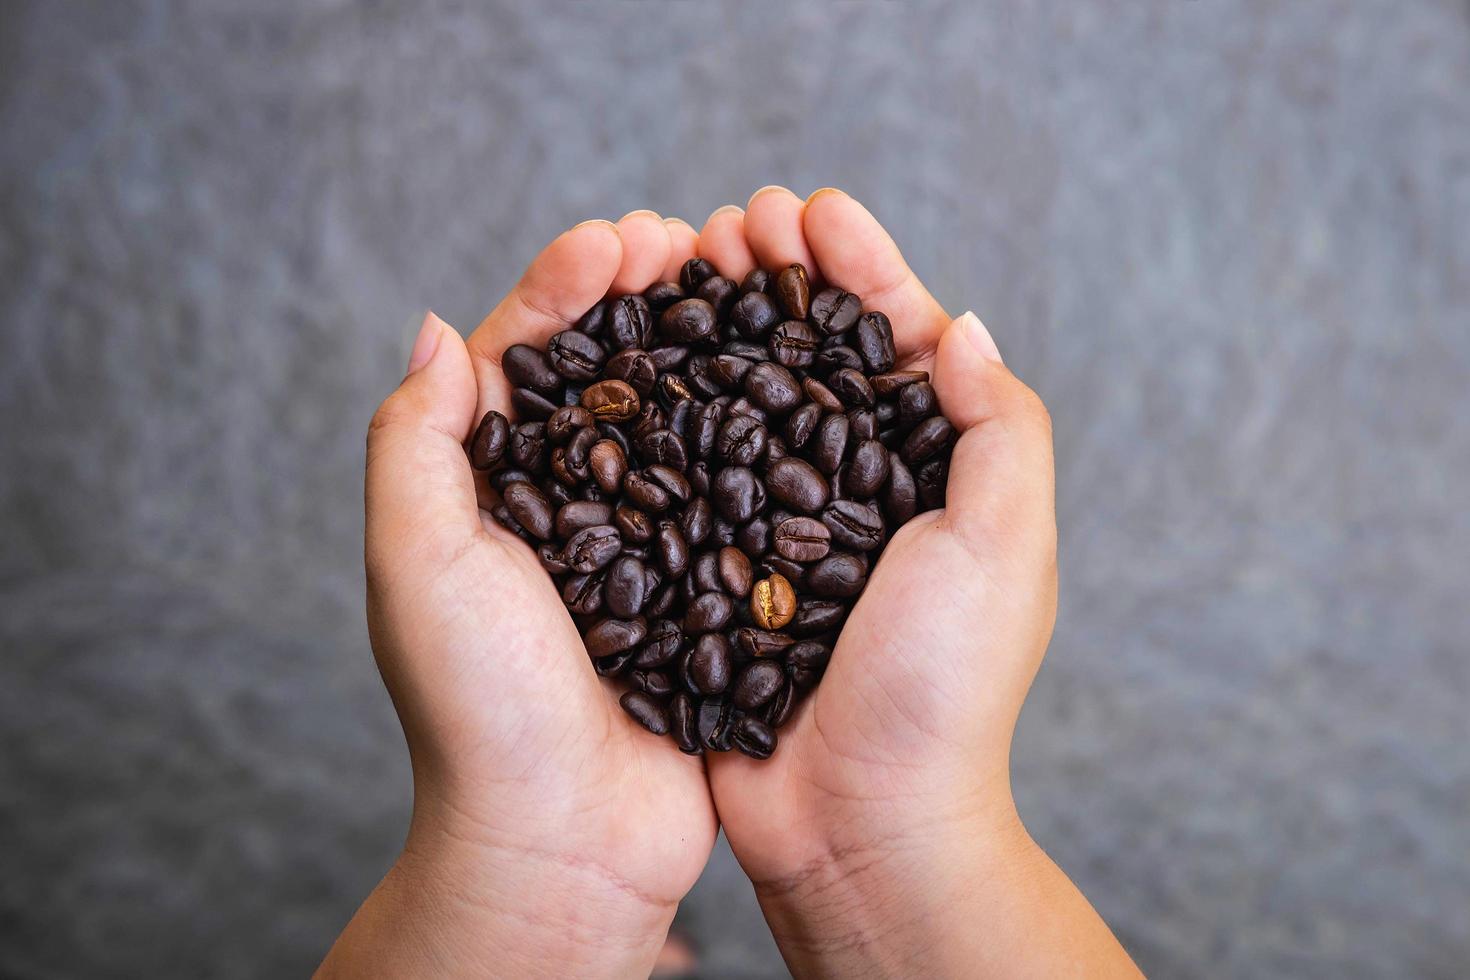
(552, 835)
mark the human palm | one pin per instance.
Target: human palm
(914, 717)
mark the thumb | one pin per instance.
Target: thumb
(1001, 482)
(420, 494)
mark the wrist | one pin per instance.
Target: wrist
(462, 902)
(896, 896)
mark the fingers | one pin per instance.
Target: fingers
(646, 248)
(854, 252)
(773, 229)
(420, 497)
(683, 246)
(1000, 477)
(563, 282)
(722, 242)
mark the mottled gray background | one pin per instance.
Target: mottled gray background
(1228, 242)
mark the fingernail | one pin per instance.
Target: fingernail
(820, 191)
(595, 221)
(979, 337)
(653, 214)
(727, 209)
(677, 221)
(767, 189)
(427, 342)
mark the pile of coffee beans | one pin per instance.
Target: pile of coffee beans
(709, 471)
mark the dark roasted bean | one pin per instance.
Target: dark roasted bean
(931, 480)
(528, 405)
(735, 571)
(929, 438)
(696, 521)
(633, 524)
(719, 293)
(761, 643)
(754, 316)
(633, 367)
(778, 712)
(592, 548)
(694, 272)
(793, 344)
(593, 322)
(728, 371)
(527, 367)
(835, 358)
(830, 443)
(889, 382)
(834, 311)
(528, 446)
(801, 424)
(708, 612)
(754, 737)
(613, 635)
(709, 665)
(614, 665)
(625, 589)
(849, 385)
(663, 643)
(645, 494)
(754, 538)
(582, 593)
(490, 441)
(868, 470)
(689, 321)
(663, 446)
(901, 495)
(531, 509)
(840, 575)
(630, 323)
(875, 342)
(575, 355)
(673, 551)
(565, 422)
(757, 281)
(741, 440)
(713, 724)
(683, 723)
(661, 295)
(772, 388)
(578, 514)
(797, 484)
(793, 291)
(853, 525)
(916, 403)
(503, 478)
(670, 480)
(817, 616)
(803, 539)
(759, 682)
(738, 494)
(646, 711)
(608, 464)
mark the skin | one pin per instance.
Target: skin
(553, 836)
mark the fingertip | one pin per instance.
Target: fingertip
(684, 245)
(773, 229)
(768, 189)
(722, 242)
(646, 248)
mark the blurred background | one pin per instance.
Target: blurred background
(1228, 243)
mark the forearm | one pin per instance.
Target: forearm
(982, 900)
(451, 908)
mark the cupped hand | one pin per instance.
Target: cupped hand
(887, 802)
(551, 835)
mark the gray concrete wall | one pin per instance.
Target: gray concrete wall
(1229, 243)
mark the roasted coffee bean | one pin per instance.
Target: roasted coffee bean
(689, 321)
(834, 311)
(875, 342)
(760, 681)
(565, 422)
(662, 645)
(593, 322)
(663, 446)
(575, 355)
(738, 495)
(728, 371)
(661, 295)
(829, 445)
(853, 525)
(614, 665)
(720, 293)
(849, 385)
(683, 723)
(793, 344)
(754, 737)
(633, 367)
(709, 665)
(754, 316)
(757, 281)
(713, 724)
(801, 424)
(741, 440)
(653, 682)
(761, 643)
(630, 323)
(528, 446)
(901, 495)
(705, 429)
(698, 378)
(502, 478)
(746, 350)
(793, 290)
(699, 481)
(754, 538)
(490, 441)
(625, 590)
(929, 438)
(817, 616)
(797, 484)
(582, 593)
(743, 406)
(613, 635)
(772, 602)
(931, 480)
(530, 406)
(644, 494)
(704, 573)
(670, 480)
(549, 554)
(531, 509)
(501, 513)
(708, 612)
(892, 381)
(592, 548)
(646, 711)
(862, 424)
(633, 524)
(663, 600)
(696, 521)
(803, 539)
(868, 470)
(608, 465)
(791, 571)
(835, 358)
(779, 711)
(735, 571)
(673, 550)
(527, 367)
(611, 401)
(840, 575)
(916, 403)
(772, 388)
(694, 272)
(808, 655)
